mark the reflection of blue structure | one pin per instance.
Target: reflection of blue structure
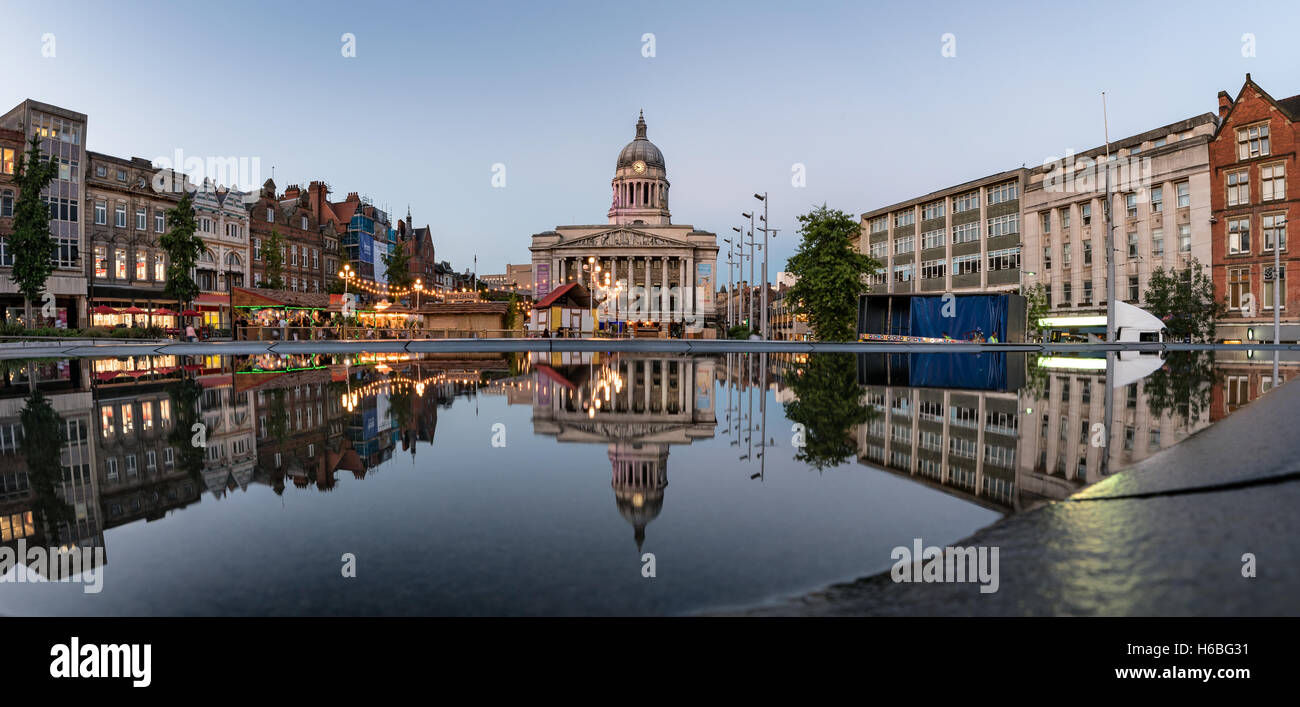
(986, 371)
(962, 317)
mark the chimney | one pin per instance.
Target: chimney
(292, 191)
(317, 195)
(1225, 104)
(353, 196)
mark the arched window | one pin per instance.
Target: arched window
(208, 257)
(234, 259)
(6, 203)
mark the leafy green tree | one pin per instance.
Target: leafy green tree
(828, 403)
(41, 446)
(273, 254)
(1185, 301)
(397, 267)
(183, 247)
(1036, 307)
(32, 246)
(831, 273)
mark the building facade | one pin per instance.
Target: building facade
(62, 135)
(1252, 153)
(657, 271)
(965, 238)
(127, 265)
(302, 242)
(1160, 191)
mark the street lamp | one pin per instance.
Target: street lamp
(750, 305)
(419, 287)
(763, 198)
(347, 274)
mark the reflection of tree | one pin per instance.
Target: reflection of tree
(829, 405)
(399, 402)
(277, 424)
(41, 445)
(1036, 377)
(185, 395)
(1182, 385)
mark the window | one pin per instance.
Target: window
(270, 214)
(1067, 294)
(906, 244)
(159, 221)
(1252, 141)
(1238, 287)
(140, 218)
(315, 258)
(966, 202)
(966, 264)
(1065, 255)
(1085, 213)
(1045, 222)
(159, 268)
(879, 251)
(1272, 182)
(1269, 272)
(1274, 227)
(128, 424)
(119, 261)
(1157, 199)
(1183, 191)
(1134, 293)
(931, 269)
(1004, 192)
(1004, 225)
(904, 273)
(304, 223)
(101, 261)
(965, 233)
(1157, 241)
(1159, 142)
(1132, 244)
(1239, 187)
(7, 157)
(151, 460)
(879, 224)
(904, 218)
(101, 213)
(121, 175)
(1239, 235)
(1005, 259)
(1087, 252)
(929, 239)
(101, 171)
(141, 264)
(293, 255)
(1185, 238)
(119, 216)
(1131, 205)
(1065, 218)
(1047, 257)
(1087, 292)
(257, 249)
(931, 210)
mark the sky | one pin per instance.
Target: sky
(737, 95)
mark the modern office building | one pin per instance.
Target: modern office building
(62, 136)
(965, 238)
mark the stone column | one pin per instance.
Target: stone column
(664, 314)
(682, 289)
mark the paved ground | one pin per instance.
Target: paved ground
(74, 348)
(1164, 538)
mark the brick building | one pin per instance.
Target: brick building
(1251, 154)
(290, 215)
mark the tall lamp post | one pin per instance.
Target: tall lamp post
(749, 307)
(763, 198)
(731, 280)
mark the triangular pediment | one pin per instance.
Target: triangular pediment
(623, 236)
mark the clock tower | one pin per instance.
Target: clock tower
(640, 183)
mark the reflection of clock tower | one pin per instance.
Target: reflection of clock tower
(640, 183)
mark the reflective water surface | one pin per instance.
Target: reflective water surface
(553, 484)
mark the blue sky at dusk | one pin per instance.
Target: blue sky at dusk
(736, 94)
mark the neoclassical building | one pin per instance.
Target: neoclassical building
(658, 271)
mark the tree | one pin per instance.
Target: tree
(397, 267)
(831, 273)
(32, 246)
(41, 444)
(273, 253)
(1185, 301)
(828, 403)
(1036, 307)
(183, 247)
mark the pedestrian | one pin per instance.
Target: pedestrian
(189, 332)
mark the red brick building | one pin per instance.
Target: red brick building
(1253, 194)
(304, 244)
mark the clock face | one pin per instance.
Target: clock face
(638, 167)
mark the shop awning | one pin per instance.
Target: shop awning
(104, 309)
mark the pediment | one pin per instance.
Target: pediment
(624, 237)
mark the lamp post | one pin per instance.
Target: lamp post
(749, 306)
(763, 198)
(347, 274)
(419, 287)
(731, 280)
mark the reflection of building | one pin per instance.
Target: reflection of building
(227, 413)
(666, 272)
(1244, 376)
(637, 405)
(1063, 430)
(298, 425)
